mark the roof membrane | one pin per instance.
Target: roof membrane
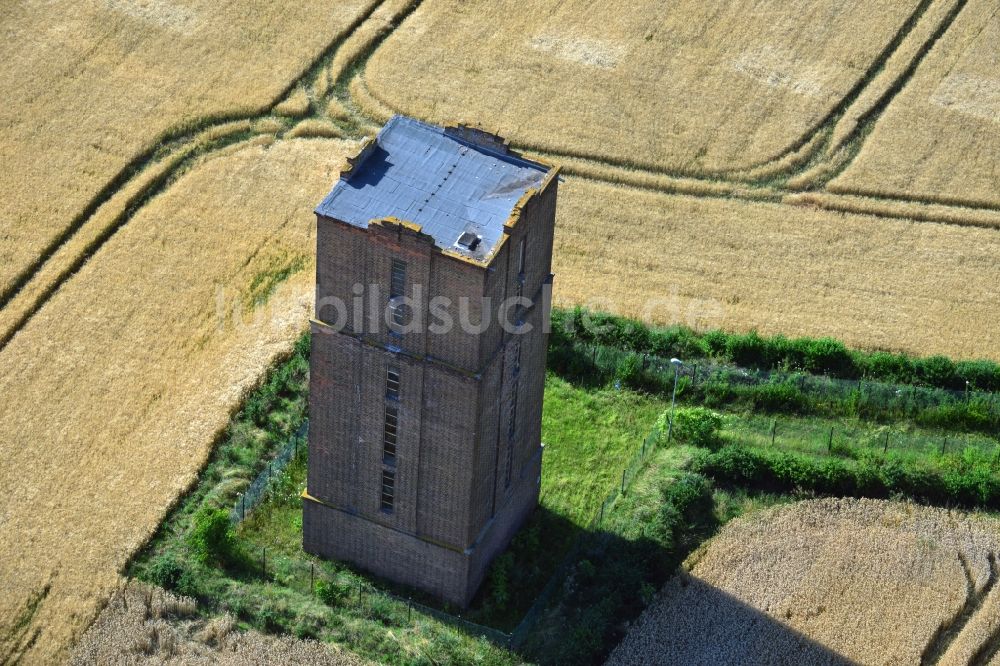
(448, 185)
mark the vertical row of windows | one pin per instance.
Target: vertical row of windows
(390, 429)
(512, 415)
(389, 434)
(388, 489)
(390, 437)
(515, 370)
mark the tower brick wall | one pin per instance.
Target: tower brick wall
(466, 417)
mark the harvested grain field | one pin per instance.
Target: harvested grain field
(833, 581)
(118, 386)
(146, 625)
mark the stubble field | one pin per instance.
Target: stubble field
(833, 582)
(745, 167)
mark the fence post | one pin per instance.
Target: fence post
(359, 594)
(885, 449)
(601, 518)
(312, 577)
(944, 445)
(774, 429)
(829, 444)
(623, 480)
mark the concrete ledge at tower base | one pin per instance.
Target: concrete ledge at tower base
(447, 573)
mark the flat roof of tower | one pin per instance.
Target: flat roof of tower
(452, 185)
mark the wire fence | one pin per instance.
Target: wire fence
(887, 400)
(311, 576)
(629, 472)
(854, 439)
(257, 490)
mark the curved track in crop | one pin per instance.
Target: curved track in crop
(334, 80)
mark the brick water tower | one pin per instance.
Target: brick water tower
(433, 271)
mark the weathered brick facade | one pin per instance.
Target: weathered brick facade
(467, 411)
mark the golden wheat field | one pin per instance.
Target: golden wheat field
(940, 141)
(809, 168)
(146, 625)
(685, 87)
(91, 86)
(118, 386)
(712, 263)
(833, 582)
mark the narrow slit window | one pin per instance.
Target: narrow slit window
(390, 435)
(511, 427)
(521, 250)
(392, 383)
(397, 278)
(388, 490)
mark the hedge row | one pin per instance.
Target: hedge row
(782, 471)
(750, 350)
(799, 394)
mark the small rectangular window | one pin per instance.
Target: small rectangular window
(388, 489)
(392, 383)
(390, 435)
(397, 279)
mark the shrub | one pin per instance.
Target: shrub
(211, 537)
(826, 355)
(629, 370)
(870, 477)
(937, 371)
(749, 350)
(687, 510)
(776, 396)
(883, 366)
(696, 426)
(981, 375)
(331, 593)
(820, 355)
(170, 572)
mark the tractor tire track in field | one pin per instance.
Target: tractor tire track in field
(773, 187)
(580, 163)
(946, 634)
(168, 145)
(843, 156)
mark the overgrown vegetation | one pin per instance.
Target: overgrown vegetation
(585, 358)
(715, 466)
(821, 356)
